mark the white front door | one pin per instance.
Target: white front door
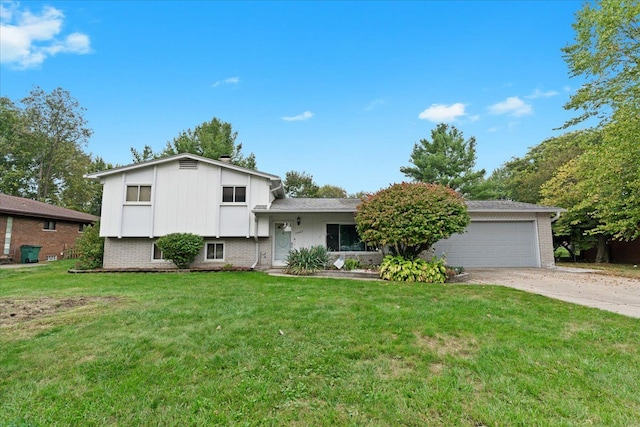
(281, 242)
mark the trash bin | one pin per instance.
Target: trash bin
(29, 254)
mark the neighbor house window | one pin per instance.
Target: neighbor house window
(234, 194)
(157, 253)
(49, 225)
(215, 251)
(138, 193)
(344, 237)
(81, 227)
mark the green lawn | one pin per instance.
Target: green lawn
(200, 349)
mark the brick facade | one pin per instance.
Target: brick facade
(545, 241)
(30, 231)
(137, 253)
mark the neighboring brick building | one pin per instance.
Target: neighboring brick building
(28, 222)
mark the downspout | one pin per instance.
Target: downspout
(255, 237)
(555, 218)
(272, 191)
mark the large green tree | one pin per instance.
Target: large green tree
(606, 54)
(446, 159)
(212, 139)
(410, 218)
(605, 179)
(524, 176)
(57, 135)
(328, 191)
(15, 153)
(301, 184)
(42, 144)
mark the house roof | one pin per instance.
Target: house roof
(508, 206)
(309, 205)
(19, 206)
(176, 157)
(276, 182)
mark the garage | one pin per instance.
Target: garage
(493, 244)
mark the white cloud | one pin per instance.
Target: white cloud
(304, 116)
(373, 104)
(540, 94)
(227, 81)
(443, 113)
(28, 38)
(513, 106)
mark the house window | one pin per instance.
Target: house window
(81, 227)
(157, 253)
(215, 252)
(344, 237)
(49, 225)
(138, 193)
(234, 194)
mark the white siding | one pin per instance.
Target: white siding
(183, 200)
(312, 230)
(186, 200)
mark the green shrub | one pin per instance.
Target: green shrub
(180, 248)
(90, 247)
(417, 270)
(305, 261)
(351, 264)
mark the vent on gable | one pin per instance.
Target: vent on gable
(188, 164)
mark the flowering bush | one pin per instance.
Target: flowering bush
(410, 218)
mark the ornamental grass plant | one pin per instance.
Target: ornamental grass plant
(305, 261)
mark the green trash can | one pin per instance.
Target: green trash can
(29, 253)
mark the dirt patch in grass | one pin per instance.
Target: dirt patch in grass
(447, 345)
(14, 310)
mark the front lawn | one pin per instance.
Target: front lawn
(232, 348)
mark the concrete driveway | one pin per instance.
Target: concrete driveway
(586, 287)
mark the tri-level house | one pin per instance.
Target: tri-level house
(246, 220)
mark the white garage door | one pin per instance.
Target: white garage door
(492, 244)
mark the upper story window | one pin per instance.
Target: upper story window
(138, 193)
(234, 194)
(49, 225)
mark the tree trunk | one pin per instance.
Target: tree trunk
(602, 254)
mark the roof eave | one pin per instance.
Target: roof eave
(14, 212)
(134, 166)
(286, 211)
(543, 210)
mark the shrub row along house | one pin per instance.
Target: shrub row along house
(26, 222)
(247, 221)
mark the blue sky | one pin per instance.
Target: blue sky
(341, 90)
